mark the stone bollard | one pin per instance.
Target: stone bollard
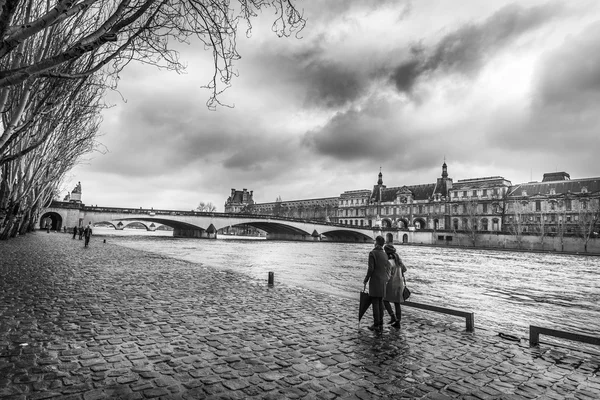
(271, 278)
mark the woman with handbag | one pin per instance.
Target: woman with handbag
(395, 286)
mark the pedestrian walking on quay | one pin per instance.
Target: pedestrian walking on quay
(87, 232)
(377, 277)
(80, 230)
(74, 232)
(395, 286)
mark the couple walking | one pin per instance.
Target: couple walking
(386, 283)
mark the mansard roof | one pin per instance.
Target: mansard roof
(238, 197)
(480, 183)
(418, 192)
(574, 186)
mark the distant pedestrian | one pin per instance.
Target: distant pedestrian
(47, 227)
(395, 286)
(65, 229)
(74, 231)
(377, 277)
(87, 232)
(80, 230)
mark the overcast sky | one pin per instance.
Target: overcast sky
(496, 87)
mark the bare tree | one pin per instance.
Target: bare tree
(206, 207)
(589, 220)
(561, 227)
(33, 167)
(472, 227)
(542, 228)
(516, 223)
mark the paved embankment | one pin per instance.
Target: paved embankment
(111, 322)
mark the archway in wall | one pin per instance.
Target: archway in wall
(402, 223)
(54, 220)
(389, 238)
(419, 223)
(405, 238)
(386, 223)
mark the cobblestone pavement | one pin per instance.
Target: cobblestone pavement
(111, 322)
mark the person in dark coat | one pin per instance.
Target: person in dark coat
(80, 230)
(74, 232)
(87, 233)
(377, 277)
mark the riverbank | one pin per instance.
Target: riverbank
(112, 322)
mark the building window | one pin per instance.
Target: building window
(454, 194)
(361, 222)
(568, 204)
(455, 224)
(464, 193)
(464, 208)
(484, 224)
(454, 208)
(584, 205)
(474, 193)
(552, 191)
(524, 193)
(495, 224)
(485, 208)
(568, 218)
(538, 205)
(553, 205)
(485, 192)
(420, 209)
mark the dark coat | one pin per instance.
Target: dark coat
(377, 274)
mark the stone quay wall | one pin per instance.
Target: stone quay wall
(109, 322)
(499, 240)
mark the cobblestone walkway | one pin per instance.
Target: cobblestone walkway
(111, 322)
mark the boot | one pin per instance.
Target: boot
(392, 319)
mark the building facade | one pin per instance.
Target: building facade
(555, 206)
(558, 205)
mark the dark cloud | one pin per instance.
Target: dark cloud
(467, 49)
(332, 85)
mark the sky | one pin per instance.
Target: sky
(494, 88)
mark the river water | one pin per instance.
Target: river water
(507, 291)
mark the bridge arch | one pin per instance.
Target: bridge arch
(53, 219)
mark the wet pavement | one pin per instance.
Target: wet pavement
(107, 322)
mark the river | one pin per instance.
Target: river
(507, 291)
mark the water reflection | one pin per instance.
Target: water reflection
(507, 291)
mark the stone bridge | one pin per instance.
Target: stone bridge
(195, 224)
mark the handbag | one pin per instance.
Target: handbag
(405, 292)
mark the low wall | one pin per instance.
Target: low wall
(524, 242)
(500, 240)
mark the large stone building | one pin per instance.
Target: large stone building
(557, 205)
